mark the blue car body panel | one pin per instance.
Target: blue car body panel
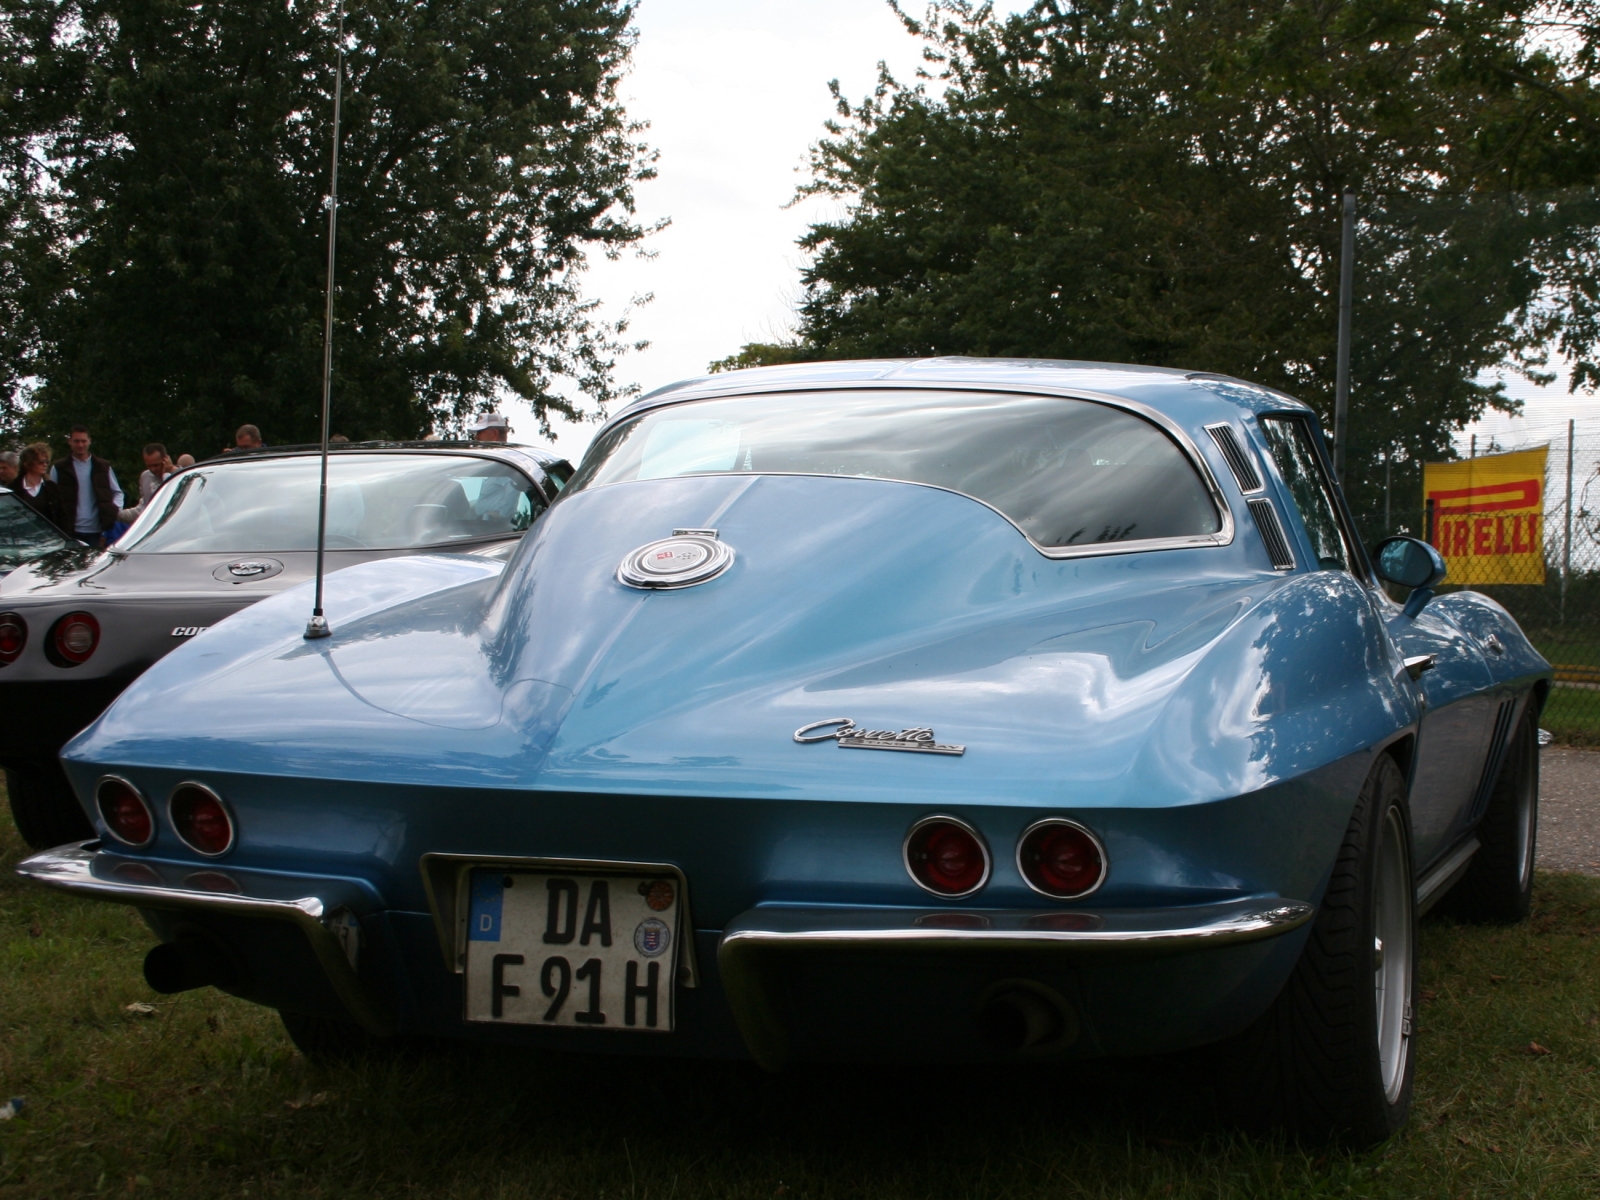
(1209, 717)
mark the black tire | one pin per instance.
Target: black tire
(325, 1039)
(44, 806)
(1313, 1065)
(1498, 884)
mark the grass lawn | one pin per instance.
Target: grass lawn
(204, 1096)
(1573, 715)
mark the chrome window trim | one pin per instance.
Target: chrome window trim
(1359, 567)
(143, 799)
(946, 818)
(1100, 847)
(227, 811)
(1223, 537)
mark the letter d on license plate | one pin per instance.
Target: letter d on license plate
(581, 950)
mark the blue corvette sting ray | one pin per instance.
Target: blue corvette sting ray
(951, 709)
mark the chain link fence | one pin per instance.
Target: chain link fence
(1554, 597)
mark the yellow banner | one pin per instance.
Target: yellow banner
(1487, 516)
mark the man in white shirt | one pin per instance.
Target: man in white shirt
(157, 466)
(89, 489)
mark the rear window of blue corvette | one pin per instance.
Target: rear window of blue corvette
(1068, 472)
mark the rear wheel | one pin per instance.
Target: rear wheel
(1498, 885)
(1332, 1056)
(44, 806)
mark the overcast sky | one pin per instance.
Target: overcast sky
(735, 92)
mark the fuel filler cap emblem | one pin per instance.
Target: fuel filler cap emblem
(688, 557)
(248, 568)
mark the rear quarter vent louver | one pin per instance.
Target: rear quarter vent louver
(1272, 535)
(1238, 461)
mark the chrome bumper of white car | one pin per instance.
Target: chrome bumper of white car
(81, 869)
(766, 937)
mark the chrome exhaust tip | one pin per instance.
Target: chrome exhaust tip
(1023, 1017)
(186, 964)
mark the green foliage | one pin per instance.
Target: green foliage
(1137, 181)
(163, 189)
(766, 354)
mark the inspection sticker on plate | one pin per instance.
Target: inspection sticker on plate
(586, 951)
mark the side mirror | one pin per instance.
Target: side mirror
(1413, 564)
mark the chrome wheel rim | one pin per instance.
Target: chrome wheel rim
(1391, 975)
(1525, 818)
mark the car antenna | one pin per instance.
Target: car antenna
(317, 626)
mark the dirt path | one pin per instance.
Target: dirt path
(1569, 810)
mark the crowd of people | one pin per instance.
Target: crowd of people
(79, 494)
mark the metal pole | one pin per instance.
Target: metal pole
(317, 626)
(1341, 386)
(1566, 548)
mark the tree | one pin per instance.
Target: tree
(1149, 182)
(165, 171)
(767, 354)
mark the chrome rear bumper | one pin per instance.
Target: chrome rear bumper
(83, 869)
(753, 944)
(764, 939)
(1075, 931)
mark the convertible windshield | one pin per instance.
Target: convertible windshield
(375, 502)
(1068, 472)
(24, 534)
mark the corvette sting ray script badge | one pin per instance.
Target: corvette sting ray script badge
(918, 740)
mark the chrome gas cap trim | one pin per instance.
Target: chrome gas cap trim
(682, 560)
(245, 570)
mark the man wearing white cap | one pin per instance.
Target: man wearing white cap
(489, 427)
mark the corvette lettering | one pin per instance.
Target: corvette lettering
(918, 739)
(186, 631)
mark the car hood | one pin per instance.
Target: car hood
(86, 575)
(1132, 679)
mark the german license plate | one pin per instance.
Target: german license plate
(579, 950)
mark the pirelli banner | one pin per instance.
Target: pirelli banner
(1486, 516)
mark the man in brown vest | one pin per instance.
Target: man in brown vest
(90, 493)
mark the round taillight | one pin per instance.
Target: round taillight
(946, 856)
(1061, 859)
(124, 811)
(74, 638)
(13, 636)
(201, 819)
